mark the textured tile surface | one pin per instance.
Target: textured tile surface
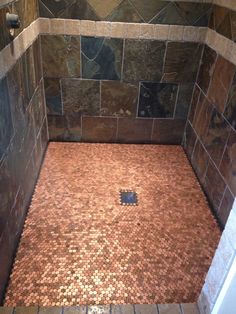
(80, 246)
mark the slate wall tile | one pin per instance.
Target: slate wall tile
(168, 131)
(53, 96)
(134, 130)
(101, 58)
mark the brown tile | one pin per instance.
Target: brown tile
(189, 139)
(228, 163)
(216, 136)
(99, 129)
(168, 131)
(206, 68)
(214, 185)
(118, 99)
(225, 206)
(169, 309)
(81, 96)
(61, 56)
(103, 253)
(134, 130)
(220, 84)
(195, 98)
(190, 308)
(200, 160)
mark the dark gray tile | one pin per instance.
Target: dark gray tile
(125, 12)
(200, 160)
(118, 99)
(101, 58)
(143, 60)
(194, 103)
(170, 14)
(157, 100)
(189, 140)
(182, 62)
(230, 110)
(147, 10)
(146, 309)
(122, 309)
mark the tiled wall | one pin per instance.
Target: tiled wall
(27, 11)
(23, 140)
(136, 11)
(210, 139)
(114, 90)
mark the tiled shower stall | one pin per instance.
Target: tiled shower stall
(116, 71)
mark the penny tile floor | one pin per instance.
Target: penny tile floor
(80, 246)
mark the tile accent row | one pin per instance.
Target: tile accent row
(184, 308)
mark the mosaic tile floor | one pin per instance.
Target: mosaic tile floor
(80, 246)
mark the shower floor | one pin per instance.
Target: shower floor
(80, 246)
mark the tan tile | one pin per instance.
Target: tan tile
(133, 30)
(122, 309)
(72, 27)
(87, 28)
(44, 25)
(103, 29)
(57, 26)
(161, 32)
(146, 309)
(118, 30)
(175, 32)
(190, 308)
(105, 7)
(50, 310)
(75, 310)
(146, 31)
(6, 310)
(169, 309)
(26, 310)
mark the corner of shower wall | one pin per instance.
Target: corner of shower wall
(23, 127)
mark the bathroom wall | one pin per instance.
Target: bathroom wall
(210, 139)
(23, 131)
(114, 89)
(135, 11)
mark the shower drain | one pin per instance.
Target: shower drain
(128, 198)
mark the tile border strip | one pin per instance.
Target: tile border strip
(12, 52)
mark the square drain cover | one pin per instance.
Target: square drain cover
(128, 198)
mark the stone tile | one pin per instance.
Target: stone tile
(230, 228)
(222, 22)
(99, 129)
(216, 137)
(101, 58)
(157, 100)
(122, 309)
(194, 103)
(105, 8)
(26, 310)
(80, 96)
(189, 139)
(75, 310)
(168, 131)
(87, 28)
(65, 128)
(190, 308)
(134, 130)
(146, 309)
(125, 12)
(53, 96)
(144, 54)
(148, 10)
(214, 185)
(200, 160)
(170, 14)
(202, 116)
(230, 110)
(225, 207)
(195, 13)
(61, 56)
(182, 61)
(99, 309)
(221, 82)
(228, 163)
(118, 30)
(50, 310)
(52, 8)
(6, 310)
(184, 99)
(207, 68)
(169, 309)
(118, 99)
(6, 127)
